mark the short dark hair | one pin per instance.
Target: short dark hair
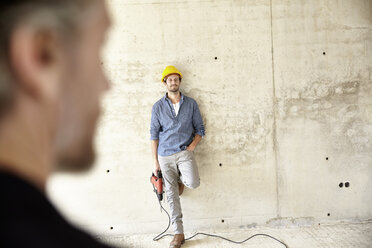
(165, 78)
(60, 15)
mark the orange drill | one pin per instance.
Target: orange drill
(157, 184)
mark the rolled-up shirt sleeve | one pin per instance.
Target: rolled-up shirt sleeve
(197, 121)
(155, 125)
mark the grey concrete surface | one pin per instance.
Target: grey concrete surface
(354, 235)
(285, 90)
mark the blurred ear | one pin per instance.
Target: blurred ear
(33, 60)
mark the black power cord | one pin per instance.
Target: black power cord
(162, 235)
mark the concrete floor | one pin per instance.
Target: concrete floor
(355, 235)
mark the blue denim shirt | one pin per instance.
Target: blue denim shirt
(175, 133)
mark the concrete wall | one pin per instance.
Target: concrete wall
(285, 91)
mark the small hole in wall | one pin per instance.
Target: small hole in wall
(347, 184)
(326, 158)
(215, 58)
(108, 171)
(328, 214)
(111, 228)
(341, 185)
(324, 53)
(220, 164)
(222, 220)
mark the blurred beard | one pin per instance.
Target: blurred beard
(76, 165)
(81, 161)
(75, 151)
(174, 89)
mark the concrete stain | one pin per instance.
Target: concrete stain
(336, 106)
(291, 222)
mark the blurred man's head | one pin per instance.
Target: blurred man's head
(51, 72)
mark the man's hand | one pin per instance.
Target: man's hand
(194, 143)
(156, 168)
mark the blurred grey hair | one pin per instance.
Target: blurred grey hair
(61, 16)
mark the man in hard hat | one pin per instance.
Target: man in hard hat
(176, 129)
(51, 82)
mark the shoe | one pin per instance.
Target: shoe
(178, 240)
(181, 187)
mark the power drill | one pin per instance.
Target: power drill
(157, 184)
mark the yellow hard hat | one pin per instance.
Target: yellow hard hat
(170, 69)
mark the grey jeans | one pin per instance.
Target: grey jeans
(179, 166)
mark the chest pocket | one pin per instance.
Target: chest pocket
(168, 121)
(185, 115)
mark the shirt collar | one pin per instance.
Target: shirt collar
(165, 98)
